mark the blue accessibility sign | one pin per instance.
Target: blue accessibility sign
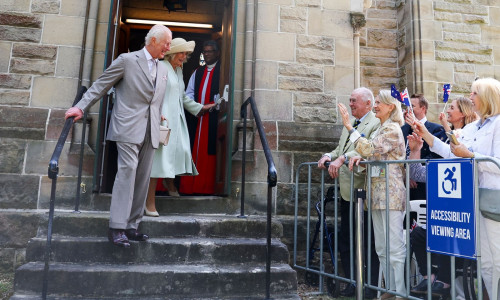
(451, 206)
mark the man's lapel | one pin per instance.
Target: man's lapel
(143, 64)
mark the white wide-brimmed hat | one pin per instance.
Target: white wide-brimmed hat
(180, 45)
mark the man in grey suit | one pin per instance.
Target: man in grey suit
(361, 103)
(135, 126)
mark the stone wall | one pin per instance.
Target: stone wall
(40, 49)
(304, 67)
(451, 41)
(378, 46)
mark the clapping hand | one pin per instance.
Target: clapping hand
(345, 116)
(444, 121)
(415, 142)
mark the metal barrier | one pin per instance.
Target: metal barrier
(357, 203)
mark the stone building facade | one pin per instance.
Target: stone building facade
(296, 57)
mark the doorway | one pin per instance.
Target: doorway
(127, 30)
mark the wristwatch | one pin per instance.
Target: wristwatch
(346, 158)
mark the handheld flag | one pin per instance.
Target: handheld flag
(446, 92)
(395, 93)
(406, 98)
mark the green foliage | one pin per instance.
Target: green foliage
(6, 285)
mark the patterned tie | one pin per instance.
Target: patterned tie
(355, 126)
(356, 123)
(153, 72)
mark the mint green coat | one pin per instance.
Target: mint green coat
(175, 158)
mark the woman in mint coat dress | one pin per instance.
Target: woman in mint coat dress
(175, 158)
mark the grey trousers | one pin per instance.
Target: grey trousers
(131, 183)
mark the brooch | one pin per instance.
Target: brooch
(164, 77)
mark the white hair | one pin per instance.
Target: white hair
(156, 31)
(366, 94)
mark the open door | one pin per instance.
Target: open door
(224, 129)
(125, 36)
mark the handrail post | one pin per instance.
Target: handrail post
(272, 179)
(359, 197)
(243, 160)
(53, 172)
(268, 248)
(80, 166)
(49, 236)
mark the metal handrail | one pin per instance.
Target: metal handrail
(272, 179)
(53, 171)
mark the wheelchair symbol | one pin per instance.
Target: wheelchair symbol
(452, 181)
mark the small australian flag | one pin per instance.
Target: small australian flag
(446, 92)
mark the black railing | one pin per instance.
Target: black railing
(272, 179)
(53, 172)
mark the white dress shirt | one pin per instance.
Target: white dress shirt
(150, 59)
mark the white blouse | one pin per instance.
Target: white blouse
(484, 140)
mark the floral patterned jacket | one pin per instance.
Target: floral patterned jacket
(386, 144)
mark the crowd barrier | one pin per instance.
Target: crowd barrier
(323, 224)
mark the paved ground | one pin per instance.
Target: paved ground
(307, 292)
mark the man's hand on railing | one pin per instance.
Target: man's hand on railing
(74, 112)
(322, 162)
(334, 167)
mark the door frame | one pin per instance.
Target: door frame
(101, 164)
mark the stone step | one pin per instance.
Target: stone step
(149, 281)
(86, 224)
(179, 205)
(218, 251)
(231, 297)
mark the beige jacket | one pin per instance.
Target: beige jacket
(367, 127)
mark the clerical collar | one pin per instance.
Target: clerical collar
(212, 65)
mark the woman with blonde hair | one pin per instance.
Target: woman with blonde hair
(386, 143)
(479, 139)
(459, 113)
(174, 158)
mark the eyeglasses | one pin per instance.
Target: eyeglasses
(209, 51)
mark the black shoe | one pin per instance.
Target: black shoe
(349, 291)
(438, 288)
(118, 238)
(135, 235)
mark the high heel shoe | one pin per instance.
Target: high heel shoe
(173, 193)
(151, 213)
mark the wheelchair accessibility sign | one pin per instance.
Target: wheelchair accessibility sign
(450, 177)
(451, 207)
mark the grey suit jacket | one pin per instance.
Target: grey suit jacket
(136, 98)
(367, 127)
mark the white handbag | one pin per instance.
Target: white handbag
(164, 133)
